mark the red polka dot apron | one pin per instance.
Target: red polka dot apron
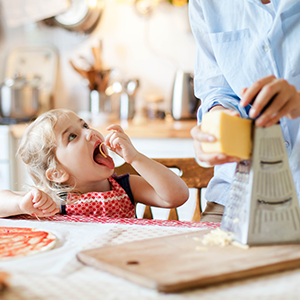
(114, 203)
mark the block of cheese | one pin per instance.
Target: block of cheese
(233, 134)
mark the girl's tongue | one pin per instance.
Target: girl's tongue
(101, 157)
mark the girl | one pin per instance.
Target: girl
(68, 160)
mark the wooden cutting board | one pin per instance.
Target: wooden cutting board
(174, 263)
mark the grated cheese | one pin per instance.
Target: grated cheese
(242, 246)
(218, 237)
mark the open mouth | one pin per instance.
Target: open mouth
(99, 149)
(96, 152)
(101, 156)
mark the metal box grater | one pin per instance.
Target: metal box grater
(263, 207)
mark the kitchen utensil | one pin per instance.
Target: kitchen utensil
(101, 79)
(154, 106)
(99, 103)
(263, 207)
(184, 102)
(132, 86)
(97, 76)
(19, 99)
(39, 62)
(127, 100)
(82, 72)
(97, 52)
(179, 262)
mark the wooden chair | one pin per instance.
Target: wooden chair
(191, 173)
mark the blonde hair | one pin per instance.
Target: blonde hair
(37, 151)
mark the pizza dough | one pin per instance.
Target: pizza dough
(18, 242)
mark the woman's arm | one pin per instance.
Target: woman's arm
(210, 84)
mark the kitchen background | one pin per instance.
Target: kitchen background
(150, 48)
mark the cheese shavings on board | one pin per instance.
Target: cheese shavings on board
(221, 238)
(218, 237)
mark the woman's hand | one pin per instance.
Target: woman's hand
(284, 96)
(120, 143)
(38, 203)
(210, 159)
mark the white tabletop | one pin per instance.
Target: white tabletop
(58, 275)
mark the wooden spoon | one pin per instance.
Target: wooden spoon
(82, 72)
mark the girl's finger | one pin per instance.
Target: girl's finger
(116, 143)
(41, 203)
(50, 208)
(115, 127)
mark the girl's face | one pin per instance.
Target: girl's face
(78, 156)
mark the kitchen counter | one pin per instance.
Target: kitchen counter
(150, 129)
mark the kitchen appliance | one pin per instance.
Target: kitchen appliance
(19, 99)
(263, 207)
(184, 102)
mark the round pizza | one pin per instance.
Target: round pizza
(17, 241)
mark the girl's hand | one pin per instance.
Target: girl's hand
(38, 203)
(120, 143)
(285, 100)
(210, 159)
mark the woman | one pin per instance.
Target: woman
(246, 49)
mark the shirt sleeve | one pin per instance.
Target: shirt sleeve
(209, 82)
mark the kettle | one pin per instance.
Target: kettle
(184, 102)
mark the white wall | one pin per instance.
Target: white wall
(124, 34)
